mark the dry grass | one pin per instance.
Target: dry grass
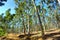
(49, 35)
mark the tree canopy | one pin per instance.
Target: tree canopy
(1, 2)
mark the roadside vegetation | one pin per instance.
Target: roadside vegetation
(31, 21)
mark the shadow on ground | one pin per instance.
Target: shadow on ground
(28, 37)
(56, 38)
(51, 35)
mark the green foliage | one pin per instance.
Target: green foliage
(1, 2)
(2, 32)
(8, 16)
(28, 14)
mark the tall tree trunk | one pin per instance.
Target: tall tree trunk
(28, 25)
(23, 24)
(44, 23)
(42, 29)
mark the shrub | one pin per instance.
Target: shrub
(2, 32)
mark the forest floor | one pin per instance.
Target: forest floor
(49, 35)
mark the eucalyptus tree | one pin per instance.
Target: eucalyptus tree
(43, 15)
(24, 10)
(51, 4)
(7, 19)
(30, 13)
(1, 18)
(20, 11)
(2, 23)
(2, 26)
(39, 18)
(8, 16)
(28, 7)
(1, 4)
(56, 15)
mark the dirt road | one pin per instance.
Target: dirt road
(50, 35)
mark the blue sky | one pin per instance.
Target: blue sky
(8, 4)
(11, 4)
